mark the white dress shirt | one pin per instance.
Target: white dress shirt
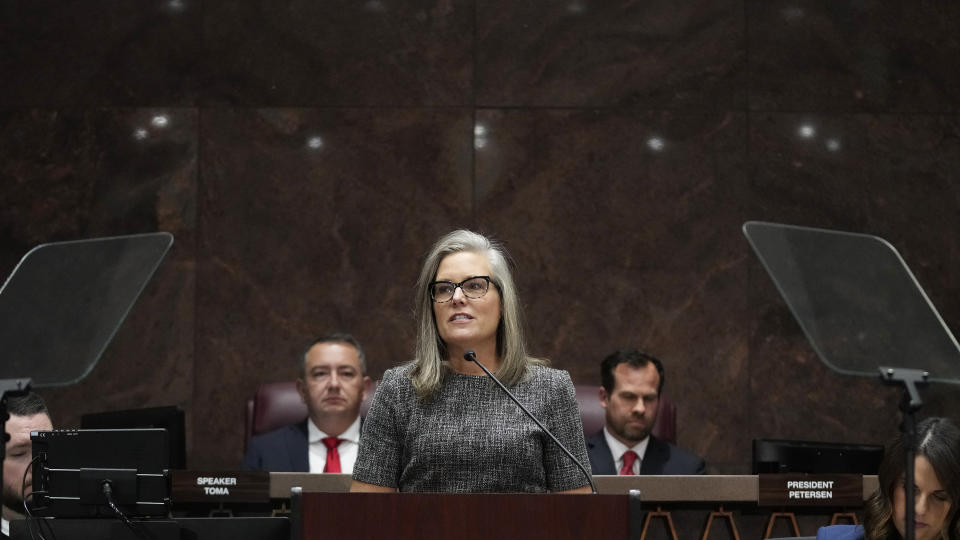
(347, 449)
(618, 449)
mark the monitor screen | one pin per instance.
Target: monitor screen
(74, 465)
(782, 456)
(170, 418)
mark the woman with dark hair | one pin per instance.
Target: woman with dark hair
(937, 488)
(438, 423)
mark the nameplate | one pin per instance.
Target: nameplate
(220, 486)
(810, 490)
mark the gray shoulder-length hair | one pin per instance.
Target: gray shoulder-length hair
(431, 352)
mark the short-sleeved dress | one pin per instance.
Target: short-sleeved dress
(471, 437)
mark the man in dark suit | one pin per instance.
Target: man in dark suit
(27, 413)
(630, 395)
(333, 383)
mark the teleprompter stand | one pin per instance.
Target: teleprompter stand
(62, 305)
(910, 381)
(861, 307)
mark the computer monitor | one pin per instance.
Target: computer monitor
(170, 418)
(785, 456)
(73, 466)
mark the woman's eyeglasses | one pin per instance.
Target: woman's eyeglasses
(472, 287)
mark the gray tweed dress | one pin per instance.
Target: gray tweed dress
(470, 437)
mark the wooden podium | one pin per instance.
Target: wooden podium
(428, 516)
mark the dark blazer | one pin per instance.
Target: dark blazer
(280, 450)
(661, 458)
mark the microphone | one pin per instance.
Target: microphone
(471, 356)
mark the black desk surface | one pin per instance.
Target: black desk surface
(233, 528)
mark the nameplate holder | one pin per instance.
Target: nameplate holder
(220, 486)
(810, 490)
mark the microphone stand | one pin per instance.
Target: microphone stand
(471, 356)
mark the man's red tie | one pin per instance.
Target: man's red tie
(628, 458)
(333, 456)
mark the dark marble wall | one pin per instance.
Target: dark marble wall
(306, 154)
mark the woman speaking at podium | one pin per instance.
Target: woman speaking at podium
(936, 494)
(438, 423)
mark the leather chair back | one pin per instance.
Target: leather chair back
(277, 404)
(592, 414)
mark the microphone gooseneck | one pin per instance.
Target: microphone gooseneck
(471, 356)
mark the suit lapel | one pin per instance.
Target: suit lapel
(298, 448)
(601, 458)
(655, 457)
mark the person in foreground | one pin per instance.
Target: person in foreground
(333, 383)
(630, 395)
(937, 480)
(27, 413)
(438, 424)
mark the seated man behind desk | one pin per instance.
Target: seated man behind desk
(630, 396)
(333, 384)
(27, 413)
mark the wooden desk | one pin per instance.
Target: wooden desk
(282, 482)
(689, 499)
(702, 488)
(442, 516)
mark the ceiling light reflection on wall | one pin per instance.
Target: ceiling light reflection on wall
(833, 144)
(807, 131)
(160, 121)
(656, 144)
(315, 143)
(375, 6)
(140, 134)
(480, 136)
(792, 13)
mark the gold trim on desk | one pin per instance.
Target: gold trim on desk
(282, 482)
(870, 485)
(707, 488)
(732, 488)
